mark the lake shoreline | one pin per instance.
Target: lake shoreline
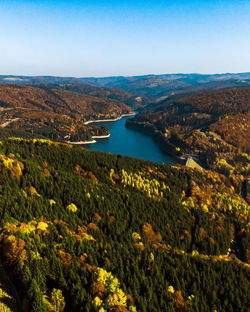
(81, 142)
(125, 142)
(99, 136)
(167, 149)
(109, 120)
(167, 158)
(90, 142)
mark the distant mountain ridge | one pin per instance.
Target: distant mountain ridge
(145, 85)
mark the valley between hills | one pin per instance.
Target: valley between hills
(84, 230)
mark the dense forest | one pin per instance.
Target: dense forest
(87, 231)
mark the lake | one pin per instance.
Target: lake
(128, 142)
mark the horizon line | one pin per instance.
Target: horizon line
(127, 76)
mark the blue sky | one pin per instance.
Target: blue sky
(105, 38)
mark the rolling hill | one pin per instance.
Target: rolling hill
(54, 113)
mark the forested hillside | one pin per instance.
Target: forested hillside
(213, 125)
(88, 231)
(54, 113)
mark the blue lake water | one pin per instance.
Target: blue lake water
(128, 142)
